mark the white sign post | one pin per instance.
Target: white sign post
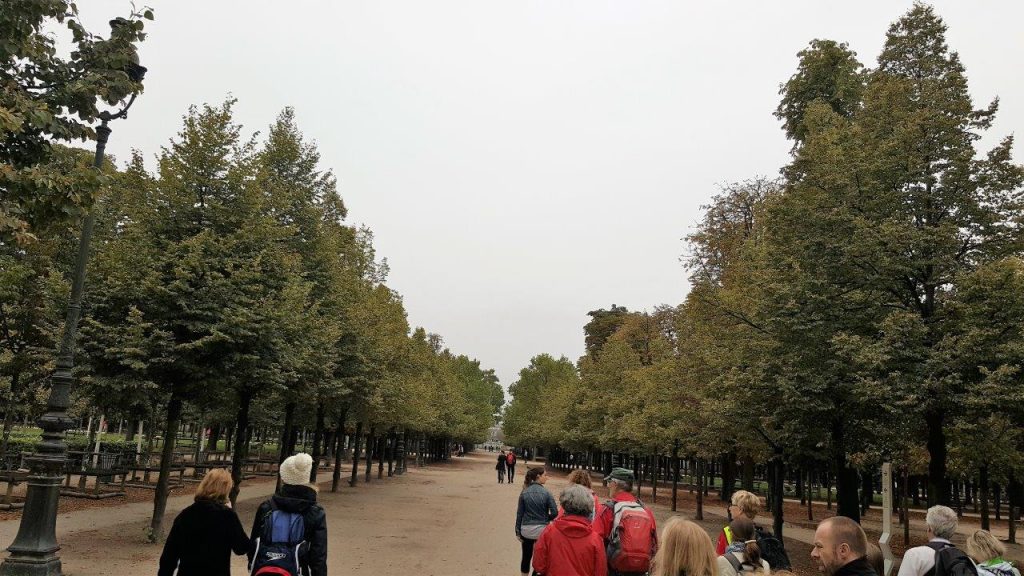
(886, 537)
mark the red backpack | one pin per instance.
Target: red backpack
(631, 541)
(510, 458)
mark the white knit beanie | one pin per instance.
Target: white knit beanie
(296, 469)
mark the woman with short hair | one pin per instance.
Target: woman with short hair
(206, 533)
(582, 478)
(684, 549)
(988, 552)
(569, 546)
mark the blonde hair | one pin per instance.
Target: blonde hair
(982, 546)
(215, 486)
(748, 502)
(684, 548)
(579, 476)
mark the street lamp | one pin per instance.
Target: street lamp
(34, 551)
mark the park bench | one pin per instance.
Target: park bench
(103, 467)
(261, 466)
(206, 461)
(148, 465)
(12, 473)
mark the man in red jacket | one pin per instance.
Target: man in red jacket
(569, 546)
(620, 488)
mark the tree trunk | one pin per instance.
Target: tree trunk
(779, 489)
(700, 489)
(846, 477)
(382, 448)
(164, 479)
(355, 454)
(748, 474)
(983, 496)
(938, 488)
(675, 473)
(286, 444)
(338, 452)
(370, 446)
(728, 476)
(318, 438)
(241, 450)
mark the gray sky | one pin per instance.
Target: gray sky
(524, 162)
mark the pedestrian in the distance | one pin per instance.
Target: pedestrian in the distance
(206, 533)
(684, 549)
(290, 530)
(536, 509)
(500, 466)
(510, 462)
(569, 546)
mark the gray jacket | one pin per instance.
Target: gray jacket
(536, 506)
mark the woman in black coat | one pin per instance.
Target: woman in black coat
(206, 533)
(297, 496)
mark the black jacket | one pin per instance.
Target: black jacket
(858, 567)
(300, 500)
(201, 541)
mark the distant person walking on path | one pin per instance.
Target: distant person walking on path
(626, 526)
(500, 467)
(569, 546)
(988, 552)
(582, 478)
(685, 549)
(840, 548)
(510, 462)
(743, 555)
(920, 560)
(742, 503)
(536, 509)
(290, 527)
(206, 533)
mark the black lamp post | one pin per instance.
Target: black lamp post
(34, 551)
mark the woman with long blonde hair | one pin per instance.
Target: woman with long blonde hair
(684, 549)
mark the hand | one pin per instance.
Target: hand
(518, 537)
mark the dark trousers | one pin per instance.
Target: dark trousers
(511, 472)
(524, 565)
(501, 476)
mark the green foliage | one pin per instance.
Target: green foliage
(46, 98)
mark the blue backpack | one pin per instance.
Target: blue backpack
(282, 545)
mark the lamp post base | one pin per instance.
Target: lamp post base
(34, 551)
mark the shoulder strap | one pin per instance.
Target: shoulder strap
(734, 561)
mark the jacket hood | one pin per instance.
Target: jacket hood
(293, 498)
(998, 568)
(572, 526)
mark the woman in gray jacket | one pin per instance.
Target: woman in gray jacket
(536, 509)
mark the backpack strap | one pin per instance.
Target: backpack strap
(734, 561)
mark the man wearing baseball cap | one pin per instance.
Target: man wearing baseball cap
(620, 489)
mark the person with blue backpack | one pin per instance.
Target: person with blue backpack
(289, 534)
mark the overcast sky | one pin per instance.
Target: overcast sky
(524, 162)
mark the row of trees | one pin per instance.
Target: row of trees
(225, 288)
(867, 305)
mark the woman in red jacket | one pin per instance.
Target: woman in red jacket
(569, 546)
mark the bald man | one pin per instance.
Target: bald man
(841, 548)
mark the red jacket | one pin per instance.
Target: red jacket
(605, 517)
(569, 547)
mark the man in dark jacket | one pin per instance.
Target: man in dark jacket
(840, 548)
(297, 496)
